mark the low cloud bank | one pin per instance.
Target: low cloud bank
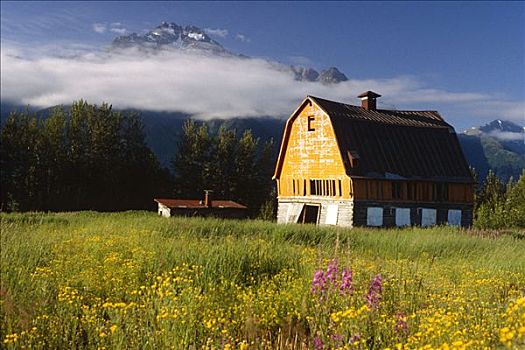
(211, 86)
(508, 136)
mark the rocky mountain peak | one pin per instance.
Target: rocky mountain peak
(332, 75)
(170, 35)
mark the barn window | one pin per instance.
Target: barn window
(374, 216)
(428, 217)
(311, 118)
(313, 189)
(402, 216)
(340, 188)
(454, 217)
(293, 184)
(304, 187)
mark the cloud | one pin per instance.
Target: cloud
(215, 87)
(242, 38)
(99, 27)
(116, 27)
(508, 136)
(223, 33)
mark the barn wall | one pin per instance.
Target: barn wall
(311, 152)
(367, 189)
(285, 211)
(360, 212)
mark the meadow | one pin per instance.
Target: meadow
(133, 280)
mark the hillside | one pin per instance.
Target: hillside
(498, 145)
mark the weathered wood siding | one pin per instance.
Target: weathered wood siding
(311, 153)
(412, 191)
(344, 209)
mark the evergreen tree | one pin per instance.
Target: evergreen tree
(89, 158)
(516, 203)
(234, 168)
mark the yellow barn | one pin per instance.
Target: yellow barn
(348, 165)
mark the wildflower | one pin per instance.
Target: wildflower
(346, 281)
(401, 324)
(318, 343)
(374, 293)
(331, 272)
(319, 281)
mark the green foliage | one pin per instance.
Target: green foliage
(499, 206)
(133, 280)
(235, 168)
(87, 158)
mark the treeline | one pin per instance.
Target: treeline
(237, 167)
(88, 157)
(499, 205)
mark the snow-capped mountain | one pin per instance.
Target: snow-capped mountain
(170, 35)
(501, 126)
(173, 36)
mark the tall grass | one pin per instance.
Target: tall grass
(126, 280)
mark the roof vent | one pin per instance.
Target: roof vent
(368, 100)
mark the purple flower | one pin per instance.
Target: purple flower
(319, 281)
(331, 272)
(318, 343)
(401, 324)
(337, 339)
(346, 281)
(374, 293)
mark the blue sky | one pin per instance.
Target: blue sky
(464, 47)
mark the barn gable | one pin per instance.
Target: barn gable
(309, 151)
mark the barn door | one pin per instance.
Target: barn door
(310, 214)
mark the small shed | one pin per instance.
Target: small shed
(168, 207)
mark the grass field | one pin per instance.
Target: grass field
(136, 281)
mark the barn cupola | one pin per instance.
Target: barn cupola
(368, 100)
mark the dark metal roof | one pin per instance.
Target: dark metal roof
(396, 144)
(198, 204)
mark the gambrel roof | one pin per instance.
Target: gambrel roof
(391, 144)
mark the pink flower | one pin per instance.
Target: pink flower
(319, 282)
(374, 293)
(346, 281)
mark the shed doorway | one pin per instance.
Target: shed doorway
(310, 214)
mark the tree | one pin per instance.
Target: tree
(87, 158)
(516, 203)
(234, 168)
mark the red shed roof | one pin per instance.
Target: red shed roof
(198, 204)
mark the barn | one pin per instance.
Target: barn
(348, 165)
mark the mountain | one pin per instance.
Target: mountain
(331, 75)
(170, 35)
(498, 146)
